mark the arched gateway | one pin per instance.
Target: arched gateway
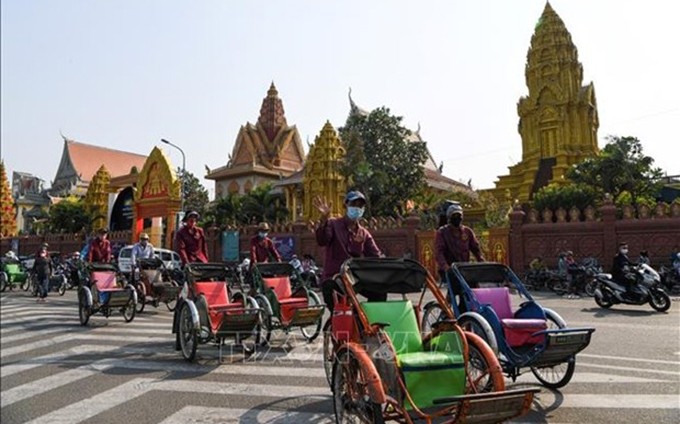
(157, 196)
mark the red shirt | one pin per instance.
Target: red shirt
(342, 243)
(454, 245)
(100, 250)
(263, 250)
(190, 245)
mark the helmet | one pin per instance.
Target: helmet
(454, 208)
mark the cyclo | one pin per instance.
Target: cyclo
(286, 300)
(12, 272)
(206, 311)
(154, 284)
(105, 291)
(530, 336)
(382, 367)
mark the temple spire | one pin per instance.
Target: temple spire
(272, 116)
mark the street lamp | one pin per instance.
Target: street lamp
(184, 162)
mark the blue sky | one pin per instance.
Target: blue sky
(125, 73)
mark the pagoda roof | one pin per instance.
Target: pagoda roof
(88, 158)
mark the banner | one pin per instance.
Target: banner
(230, 246)
(285, 246)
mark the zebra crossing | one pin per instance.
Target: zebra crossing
(53, 370)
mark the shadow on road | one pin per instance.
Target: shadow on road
(602, 313)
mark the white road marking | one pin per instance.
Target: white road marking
(54, 358)
(201, 414)
(70, 338)
(627, 359)
(611, 367)
(609, 401)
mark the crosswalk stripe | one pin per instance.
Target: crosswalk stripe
(85, 409)
(609, 401)
(53, 358)
(201, 414)
(70, 338)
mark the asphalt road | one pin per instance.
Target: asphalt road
(55, 371)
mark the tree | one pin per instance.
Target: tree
(8, 222)
(262, 205)
(224, 210)
(70, 215)
(621, 169)
(382, 162)
(195, 195)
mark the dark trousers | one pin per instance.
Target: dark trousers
(43, 286)
(331, 286)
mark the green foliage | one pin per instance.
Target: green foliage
(195, 195)
(554, 196)
(224, 211)
(497, 213)
(620, 168)
(381, 162)
(69, 216)
(263, 205)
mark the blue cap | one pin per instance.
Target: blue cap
(354, 195)
(454, 208)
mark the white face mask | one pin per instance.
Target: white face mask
(624, 251)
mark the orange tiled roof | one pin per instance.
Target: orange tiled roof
(87, 159)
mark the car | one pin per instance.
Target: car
(170, 259)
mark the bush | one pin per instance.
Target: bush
(555, 196)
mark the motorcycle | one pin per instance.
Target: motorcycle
(670, 280)
(647, 289)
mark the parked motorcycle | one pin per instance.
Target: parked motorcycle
(647, 289)
(670, 281)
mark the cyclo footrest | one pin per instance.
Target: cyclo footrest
(492, 407)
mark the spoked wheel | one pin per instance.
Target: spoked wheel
(558, 375)
(265, 333)
(484, 371)
(171, 304)
(659, 300)
(4, 280)
(62, 286)
(83, 311)
(328, 348)
(26, 285)
(432, 314)
(141, 297)
(350, 393)
(311, 332)
(129, 309)
(188, 335)
(248, 340)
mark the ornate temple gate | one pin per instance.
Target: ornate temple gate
(157, 196)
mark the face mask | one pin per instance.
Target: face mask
(456, 220)
(262, 234)
(354, 212)
(143, 242)
(624, 251)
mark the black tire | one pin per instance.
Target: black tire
(311, 332)
(188, 335)
(350, 395)
(141, 297)
(242, 338)
(559, 286)
(130, 309)
(659, 300)
(265, 333)
(171, 304)
(4, 279)
(83, 311)
(603, 302)
(328, 350)
(480, 369)
(432, 313)
(26, 285)
(590, 287)
(559, 375)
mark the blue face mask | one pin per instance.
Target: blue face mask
(354, 212)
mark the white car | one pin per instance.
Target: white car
(170, 259)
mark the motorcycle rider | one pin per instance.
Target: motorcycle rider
(621, 267)
(644, 258)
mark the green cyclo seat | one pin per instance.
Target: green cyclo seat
(14, 273)
(428, 374)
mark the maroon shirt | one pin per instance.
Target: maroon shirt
(263, 250)
(454, 245)
(190, 245)
(100, 250)
(342, 243)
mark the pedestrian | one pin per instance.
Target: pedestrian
(100, 247)
(42, 269)
(344, 238)
(262, 248)
(190, 241)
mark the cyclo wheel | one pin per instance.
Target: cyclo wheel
(432, 314)
(26, 285)
(188, 335)
(265, 333)
(559, 375)
(311, 332)
(350, 395)
(141, 297)
(171, 304)
(484, 371)
(129, 308)
(328, 350)
(4, 280)
(83, 310)
(62, 286)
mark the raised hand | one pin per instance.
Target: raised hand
(323, 206)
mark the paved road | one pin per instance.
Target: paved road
(55, 371)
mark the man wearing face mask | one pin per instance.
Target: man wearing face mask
(454, 242)
(141, 250)
(622, 266)
(344, 238)
(190, 241)
(262, 248)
